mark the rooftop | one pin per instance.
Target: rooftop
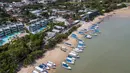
(55, 30)
(51, 34)
(59, 27)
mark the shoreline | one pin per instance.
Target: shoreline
(57, 56)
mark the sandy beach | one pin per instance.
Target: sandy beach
(57, 56)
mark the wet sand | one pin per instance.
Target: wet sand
(57, 56)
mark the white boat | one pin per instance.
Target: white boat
(47, 67)
(51, 64)
(71, 57)
(81, 47)
(66, 66)
(70, 60)
(74, 54)
(81, 42)
(88, 36)
(95, 34)
(44, 66)
(44, 71)
(35, 71)
(78, 50)
(39, 69)
(96, 27)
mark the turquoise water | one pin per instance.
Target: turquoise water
(6, 39)
(108, 52)
(41, 29)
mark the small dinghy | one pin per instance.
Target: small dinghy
(70, 60)
(95, 34)
(51, 64)
(66, 66)
(88, 36)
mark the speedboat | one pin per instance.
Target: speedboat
(78, 50)
(66, 66)
(39, 69)
(82, 33)
(71, 57)
(51, 64)
(88, 36)
(80, 47)
(81, 42)
(73, 54)
(70, 60)
(44, 66)
(35, 71)
(47, 67)
(44, 71)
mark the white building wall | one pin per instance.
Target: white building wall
(47, 1)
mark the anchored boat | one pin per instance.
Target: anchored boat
(70, 60)
(51, 64)
(78, 50)
(71, 57)
(66, 66)
(74, 54)
(88, 36)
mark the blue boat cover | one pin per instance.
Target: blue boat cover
(74, 36)
(65, 65)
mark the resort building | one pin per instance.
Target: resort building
(20, 26)
(51, 34)
(10, 29)
(89, 15)
(75, 22)
(7, 31)
(36, 12)
(76, 0)
(60, 19)
(38, 26)
(43, 23)
(32, 28)
(52, 18)
(35, 26)
(1, 33)
(47, 1)
(13, 28)
(30, 1)
(92, 14)
(59, 27)
(56, 30)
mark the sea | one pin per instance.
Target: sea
(109, 52)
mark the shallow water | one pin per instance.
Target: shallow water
(108, 52)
